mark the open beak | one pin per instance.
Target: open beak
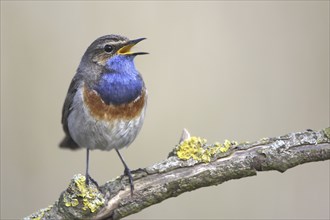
(126, 49)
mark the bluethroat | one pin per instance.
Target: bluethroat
(106, 101)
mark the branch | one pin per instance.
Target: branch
(200, 165)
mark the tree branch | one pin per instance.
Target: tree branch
(202, 165)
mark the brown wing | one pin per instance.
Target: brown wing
(67, 141)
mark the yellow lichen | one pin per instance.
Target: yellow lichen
(327, 132)
(225, 147)
(196, 148)
(71, 202)
(91, 198)
(192, 148)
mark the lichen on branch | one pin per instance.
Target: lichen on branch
(196, 148)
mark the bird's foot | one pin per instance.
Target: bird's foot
(89, 180)
(127, 172)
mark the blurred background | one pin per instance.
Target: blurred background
(223, 70)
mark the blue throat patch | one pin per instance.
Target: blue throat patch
(121, 83)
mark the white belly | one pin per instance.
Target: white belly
(91, 133)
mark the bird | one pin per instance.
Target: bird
(106, 101)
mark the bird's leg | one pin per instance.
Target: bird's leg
(87, 166)
(127, 172)
(88, 177)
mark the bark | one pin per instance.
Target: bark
(174, 176)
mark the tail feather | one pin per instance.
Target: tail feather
(68, 142)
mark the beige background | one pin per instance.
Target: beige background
(224, 70)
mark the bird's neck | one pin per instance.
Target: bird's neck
(121, 84)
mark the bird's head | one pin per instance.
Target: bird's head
(109, 50)
(108, 54)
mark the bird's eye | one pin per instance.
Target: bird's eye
(108, 48)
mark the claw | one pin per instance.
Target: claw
(127, 172)
(89, 180)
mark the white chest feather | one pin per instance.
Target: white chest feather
(94, 129)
